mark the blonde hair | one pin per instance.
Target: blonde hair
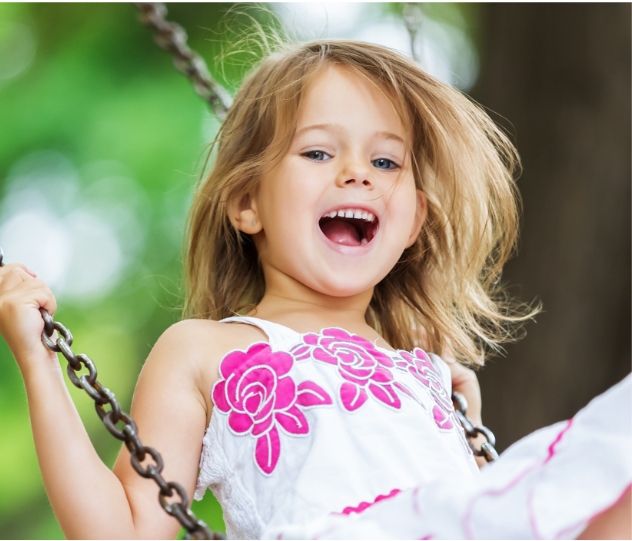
(444, 290)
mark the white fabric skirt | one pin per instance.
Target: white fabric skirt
(548, 485)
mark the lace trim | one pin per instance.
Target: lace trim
(240, 514)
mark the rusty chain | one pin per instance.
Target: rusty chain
(172, 38)
(472, 431)
(103, 397)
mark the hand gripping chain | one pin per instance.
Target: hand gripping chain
(102, 396)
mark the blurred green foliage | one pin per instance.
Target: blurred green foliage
(98, 91)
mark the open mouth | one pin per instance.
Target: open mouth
(349, 226)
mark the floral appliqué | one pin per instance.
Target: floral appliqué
(259, 395)
(362, 366)
(419, 365)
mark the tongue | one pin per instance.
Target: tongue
(341, 232)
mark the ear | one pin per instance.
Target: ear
(420, 217)
(243, 215)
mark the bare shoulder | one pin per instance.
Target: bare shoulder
(172, 405)
(185, 360)
(189, 352)
(204, 341)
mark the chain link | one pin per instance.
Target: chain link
(172, 38)
(102, 396)
(472, 431)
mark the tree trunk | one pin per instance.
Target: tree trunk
(560, 75)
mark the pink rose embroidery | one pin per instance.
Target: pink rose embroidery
(420, 366)
(259, 395)
(362, 366)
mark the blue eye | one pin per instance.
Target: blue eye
(313, 153)
(383, 161)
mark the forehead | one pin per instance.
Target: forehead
(337, 95)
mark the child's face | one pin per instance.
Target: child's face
(349, 166)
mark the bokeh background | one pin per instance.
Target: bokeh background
(102, 141)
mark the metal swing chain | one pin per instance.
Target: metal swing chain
(172, 38)
(472, 431)
(102, 396)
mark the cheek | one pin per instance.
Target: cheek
(289, 189)
(286, 209)
(402, 212)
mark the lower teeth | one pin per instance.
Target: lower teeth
(363, 241)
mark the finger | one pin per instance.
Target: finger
(45, 298)
(11, 275)
(19, 265)
(42, 294)
(37, 293)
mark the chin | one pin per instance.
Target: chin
(342, 286)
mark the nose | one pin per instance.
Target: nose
(354, 173)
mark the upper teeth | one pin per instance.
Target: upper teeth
(352, 213)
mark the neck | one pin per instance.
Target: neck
(291, 303)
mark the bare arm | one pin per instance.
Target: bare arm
(170, 411)
(89, 500)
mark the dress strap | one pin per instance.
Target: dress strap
(281, 338)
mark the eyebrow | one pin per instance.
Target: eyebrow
(340, 127)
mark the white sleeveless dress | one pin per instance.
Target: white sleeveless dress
(326, 435)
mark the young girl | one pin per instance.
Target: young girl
(357, 216)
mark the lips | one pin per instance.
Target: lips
(349, 226)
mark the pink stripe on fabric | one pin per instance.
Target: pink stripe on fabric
(465, 521)
(558, 440)
(593, 516)
(363, 506)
